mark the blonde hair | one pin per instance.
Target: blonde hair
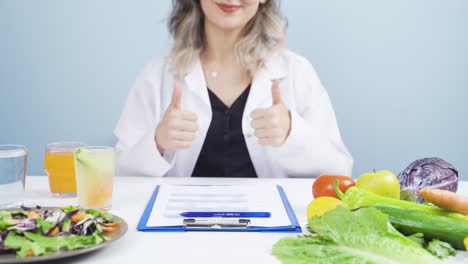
(263, 35)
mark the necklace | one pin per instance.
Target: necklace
(214, 74)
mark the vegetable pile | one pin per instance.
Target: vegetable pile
(373, 221)
(34, 232)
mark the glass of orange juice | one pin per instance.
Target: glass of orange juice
(60, 167)
(95, 168)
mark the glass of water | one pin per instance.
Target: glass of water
(13, 160)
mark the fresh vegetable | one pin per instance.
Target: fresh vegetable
(342, 236)
(323, 185)
(417, 238)
(465, 241)
(383, 183)
(432, 226)
(50, 231)
(440, 249)
(321, 205)
(408, 196)
(436, 247)
(432, 173)
(446, 199)
(355, 198)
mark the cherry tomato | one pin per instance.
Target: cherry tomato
(323, 185)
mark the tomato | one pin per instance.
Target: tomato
(321, 205)
(323, 185)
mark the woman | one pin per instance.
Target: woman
(229, 101)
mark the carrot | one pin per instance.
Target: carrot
(33, 214)
(446, 199)
(109, 227)
(54, 231)
(78, 216)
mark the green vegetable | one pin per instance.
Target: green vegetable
(5, 217)
(342, 236)
(417, 238)
(19, 212)
(408, 196)
(66, 226)
(96, 213)
(43, 225)
(42, 245)
(70, 208)
(439, 227)
(436, 247)
(355, 198)
(64, 242)
(22, 244)
(441, 249)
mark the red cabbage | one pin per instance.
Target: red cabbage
(25, 225)
(431, 173)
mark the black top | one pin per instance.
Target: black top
(224, 152)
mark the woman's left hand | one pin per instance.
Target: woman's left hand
(272, 125)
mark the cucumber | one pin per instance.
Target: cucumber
(443, 228)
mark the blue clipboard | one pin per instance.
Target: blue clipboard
(294, 227)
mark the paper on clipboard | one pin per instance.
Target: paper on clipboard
(175, 199)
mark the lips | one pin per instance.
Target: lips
(226, 8)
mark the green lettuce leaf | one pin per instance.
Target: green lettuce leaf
(43, 245)
(44, 225)
(66, 225)
(418, 238)
(342, 236)
(5, 220)
(65, 242)
(22, 244)
(440, 249)
(436, 247)
(70, 208)
(96, 213)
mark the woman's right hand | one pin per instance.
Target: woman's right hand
(178, 128)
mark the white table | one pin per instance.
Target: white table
(130, 197)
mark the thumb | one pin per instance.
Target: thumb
(176, 96)
(275, 93)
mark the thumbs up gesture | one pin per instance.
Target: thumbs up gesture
(178, 128)
(272, 125)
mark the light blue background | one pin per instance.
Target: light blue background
(396, 71)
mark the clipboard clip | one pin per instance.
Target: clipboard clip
(216, 223)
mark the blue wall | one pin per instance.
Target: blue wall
(397, 71)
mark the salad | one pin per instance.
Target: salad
(36, 232)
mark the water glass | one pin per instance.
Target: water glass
(13, 164)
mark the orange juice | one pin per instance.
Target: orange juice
(60, 167)
(59, 164)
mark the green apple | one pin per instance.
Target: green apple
(383, 183)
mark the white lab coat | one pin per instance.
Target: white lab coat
(313, 147)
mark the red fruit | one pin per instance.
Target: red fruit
(324, 185)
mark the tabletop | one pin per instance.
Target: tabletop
(129, 200)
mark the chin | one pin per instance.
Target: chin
(229, 24)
